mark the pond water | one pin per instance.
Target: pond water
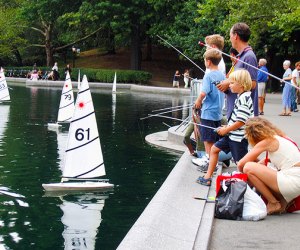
(30, 155)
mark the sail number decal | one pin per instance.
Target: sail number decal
(2, 86)
(68, 97)
(82, 134)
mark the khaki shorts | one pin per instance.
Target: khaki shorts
(175, 83)
(261, 88)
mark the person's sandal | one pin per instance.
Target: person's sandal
(206, 182)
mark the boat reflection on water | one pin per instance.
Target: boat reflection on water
(81, 219)
(114, 103)
(4, 117)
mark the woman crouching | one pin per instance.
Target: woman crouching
(278, 186)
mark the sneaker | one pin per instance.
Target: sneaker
(205, 168)
(203, 165)
(200, 161)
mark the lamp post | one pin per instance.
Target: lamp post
(74, 55)
(266, 49)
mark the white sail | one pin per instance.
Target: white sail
(81, 221)
(78, 83)
(62, 139)
(4, 92)
(66, 106)
(114, 88)
(83, 154)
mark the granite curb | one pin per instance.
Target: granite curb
(99, 85)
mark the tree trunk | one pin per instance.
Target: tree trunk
(149, 49)
(136, 54)
(18, 57)
(48, 46)
(111, 49)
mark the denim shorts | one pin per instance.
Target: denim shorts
(237, 149)
(208, 134)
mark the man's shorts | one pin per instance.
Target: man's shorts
(261, 88)
(175, 83)
(208, 134)
(237, 149)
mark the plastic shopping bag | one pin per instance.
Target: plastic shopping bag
(234, 176)
(254, 207)
(230, 202)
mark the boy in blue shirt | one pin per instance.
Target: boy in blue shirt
(210, 99)
(233, 139)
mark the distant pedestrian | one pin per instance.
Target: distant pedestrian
(295, 83)
(262, 79)
(286, 93)
(176, 79)
(68, 69)
(186, 78)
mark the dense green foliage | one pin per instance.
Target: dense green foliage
(49, 28)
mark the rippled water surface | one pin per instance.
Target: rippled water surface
(30, 155)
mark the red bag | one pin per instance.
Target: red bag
(294, 205)
(220, 178)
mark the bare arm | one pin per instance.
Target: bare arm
(252, 155)
(226, 129)
(198, 102)
(253, 84)
(223, 85)
(289, 77)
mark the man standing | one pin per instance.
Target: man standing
(262, 79)
(239, 37)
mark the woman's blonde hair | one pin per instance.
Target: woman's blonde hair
(243, 77)
(258, 129)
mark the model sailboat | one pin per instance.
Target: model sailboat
(66, 106)
(4, 92)
(114, 88)
(83, 161)
(78, 82)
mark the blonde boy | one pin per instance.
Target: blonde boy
(234, 140)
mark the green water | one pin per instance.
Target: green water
(30, 155)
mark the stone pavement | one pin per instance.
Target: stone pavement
(174, 219)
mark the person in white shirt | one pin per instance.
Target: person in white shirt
(216, 41)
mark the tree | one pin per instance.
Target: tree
(12, 33)
(42, 17)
